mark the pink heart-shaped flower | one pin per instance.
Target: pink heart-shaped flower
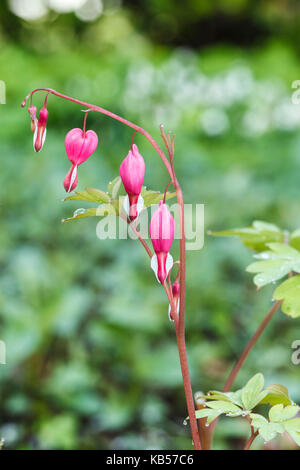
(80, 145)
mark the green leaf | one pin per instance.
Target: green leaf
(292, 425)
(226, 407)
(153, 197)
(269, 271)
(233, 397)
(117, 204)
(114, 186)
(289, 292)
(295, 239)
(106, 209)
(211, 415)
(100, 211)
(276, 263)
(252, 393)
(255, 237)
(269, 430)
(257, 420)
(277, 394)
(280, 413)
(82, 214)
(280, 251)
(89, 195)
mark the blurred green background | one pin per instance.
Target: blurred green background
(91, 355)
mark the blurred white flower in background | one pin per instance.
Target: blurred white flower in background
(30, 10)
(65, 6)
(214, 121)
(178, 91)
(85, 10)
(90, 10)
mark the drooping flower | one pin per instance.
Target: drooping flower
(40, 128)
(80, 145)
(162, 229)
(132, 172)
(175, 294)
(32, 111)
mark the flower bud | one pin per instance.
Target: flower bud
(175, 294)
(32, 111)
(162, 229)
(40, 130)
(80, 145)
(132, 172)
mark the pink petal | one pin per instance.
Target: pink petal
(80, 146)
(162, 229)
(132, 172)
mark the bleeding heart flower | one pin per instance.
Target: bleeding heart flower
(32, 111)
(162, 229)
(40, 129)
(175, 293)
(132, 172)
(80, 145)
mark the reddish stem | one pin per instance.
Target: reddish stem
(245, 353)
(251, 439)
(139, 236)
(132, 138)
(165, 193)
(205, 435)
(249, 346)
(84, 121)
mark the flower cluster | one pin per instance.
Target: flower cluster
(80, 144)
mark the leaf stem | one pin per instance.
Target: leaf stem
(205, 435)
(251, 439)
(245, 353)
(249, 346)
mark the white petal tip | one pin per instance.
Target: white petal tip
(139, 206)
(154, 266)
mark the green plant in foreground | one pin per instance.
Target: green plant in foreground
(241, 403)
(278, 255)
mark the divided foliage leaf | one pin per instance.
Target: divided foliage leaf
(281, 416)
(278, 255)
(253, 392)
(110, 202)
(153, 197)
(89, 195)
(289, 292)
(277, 394)
(275, 263)
(257, 236)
